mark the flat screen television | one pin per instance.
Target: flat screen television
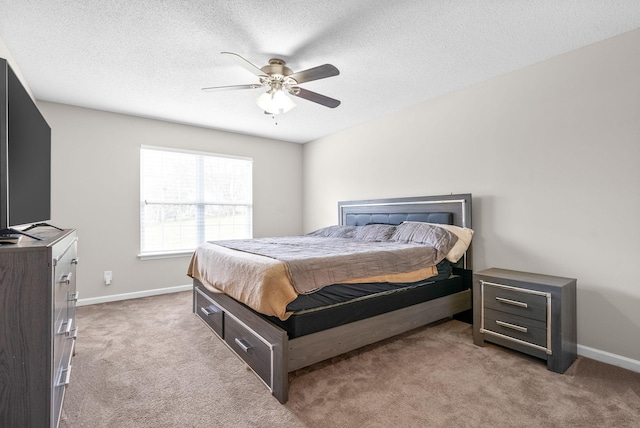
(25, 156)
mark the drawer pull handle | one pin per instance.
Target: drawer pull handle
(512, 326)
(74, 297)
(512, 302)
(74, 261)
(67, 330)
(66, 278)
(66, 374)
(243, 344)
(208, 311)
(65, 327)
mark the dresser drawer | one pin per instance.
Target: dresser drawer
(521, 328)
(210, 313)
(516, 301)
(60, 292)
(250, 347)
(62, 372)
(64, 276)
(63, 339)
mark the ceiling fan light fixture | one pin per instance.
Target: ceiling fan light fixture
(281, 82)
(275, 101)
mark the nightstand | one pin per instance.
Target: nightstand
(528, 312)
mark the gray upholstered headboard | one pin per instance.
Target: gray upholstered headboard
(445, 209)
(355, 219)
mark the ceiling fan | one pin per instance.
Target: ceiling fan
(281, 80)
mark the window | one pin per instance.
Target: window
(189, 197)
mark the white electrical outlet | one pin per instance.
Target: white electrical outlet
(108, 275)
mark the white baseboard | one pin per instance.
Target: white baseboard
(609, 358)
(134, 295)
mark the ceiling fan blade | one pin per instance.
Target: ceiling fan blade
(245, 64)
(315, 97)
(315, 73)
(231, 87)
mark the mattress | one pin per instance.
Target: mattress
(341, 293)
(382, 298)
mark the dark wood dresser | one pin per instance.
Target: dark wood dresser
(37, 326)
(531, 313)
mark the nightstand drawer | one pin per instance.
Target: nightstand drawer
(521, 328)
(210, 313)
(516, 301)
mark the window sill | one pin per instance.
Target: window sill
(165, 255)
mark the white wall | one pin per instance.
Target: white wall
(96, 189)
(551, 154)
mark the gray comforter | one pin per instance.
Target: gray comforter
(315, 262)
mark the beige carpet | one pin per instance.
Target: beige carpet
(151, 363)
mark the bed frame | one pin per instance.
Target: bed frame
(266, 348)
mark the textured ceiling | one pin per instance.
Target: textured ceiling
(151, 58)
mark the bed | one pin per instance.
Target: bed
(302, 325)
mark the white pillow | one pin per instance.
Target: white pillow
(464, 235)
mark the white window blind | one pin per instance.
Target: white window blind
(187, 198)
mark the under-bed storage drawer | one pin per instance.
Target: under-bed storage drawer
(250, 347)
(259, 343)
(210, 313)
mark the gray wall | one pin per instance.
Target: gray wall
(96, 189)
(551, 154)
